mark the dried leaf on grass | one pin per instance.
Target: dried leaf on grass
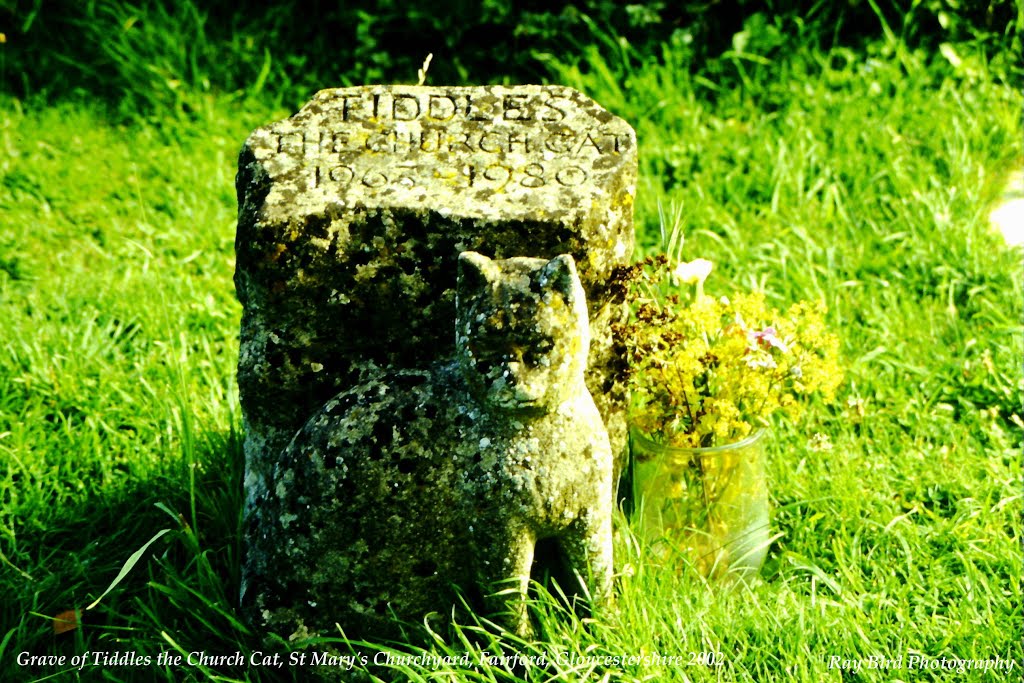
(65, 621)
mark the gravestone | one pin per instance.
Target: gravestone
(352, 216)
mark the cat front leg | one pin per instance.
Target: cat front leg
(504, 563)
(588, 549)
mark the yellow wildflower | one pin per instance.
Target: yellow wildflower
(706, 371)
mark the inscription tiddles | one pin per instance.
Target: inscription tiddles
(452, 106)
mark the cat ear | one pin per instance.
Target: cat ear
(559, 274)
(475, 271)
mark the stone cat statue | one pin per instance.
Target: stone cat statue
(417, 482)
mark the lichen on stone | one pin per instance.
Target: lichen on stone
(352, 216)
(448, 483)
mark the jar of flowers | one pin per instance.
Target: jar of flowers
(705, 375)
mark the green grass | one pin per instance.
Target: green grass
(861, 178)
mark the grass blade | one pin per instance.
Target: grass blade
(128, 566)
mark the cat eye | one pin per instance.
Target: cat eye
(496, 347)
(534, 355)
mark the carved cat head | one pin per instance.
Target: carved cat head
(522, 333)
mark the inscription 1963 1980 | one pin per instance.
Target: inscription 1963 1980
(405, 143)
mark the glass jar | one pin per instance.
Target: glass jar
(708, 504)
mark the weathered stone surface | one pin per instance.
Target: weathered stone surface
(418, 480)
(352, 214)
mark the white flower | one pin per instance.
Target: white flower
(694, 272)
